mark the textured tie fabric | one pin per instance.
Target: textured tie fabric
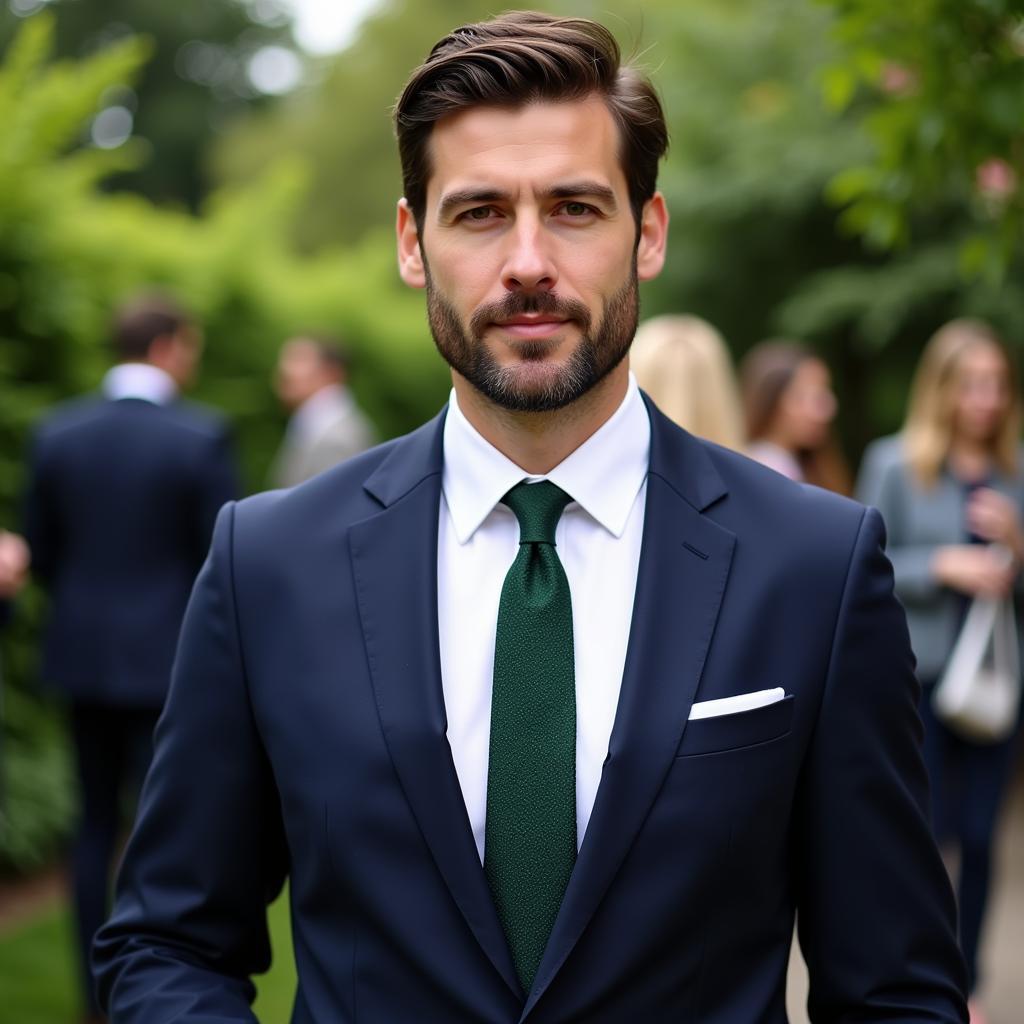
(530, 831)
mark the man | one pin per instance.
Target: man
(575, 749)
(124, 489)
(326, 426)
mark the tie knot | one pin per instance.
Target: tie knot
(538, 507)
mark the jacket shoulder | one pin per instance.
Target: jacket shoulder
(885, 453)
(334, 498)
(69, 414)
(767, 493)
(198, 418)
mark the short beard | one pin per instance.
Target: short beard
(514, 387)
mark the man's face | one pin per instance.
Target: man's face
(529, 250)
(301, 372)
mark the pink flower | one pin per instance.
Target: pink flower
(995, 179)
(898, 79)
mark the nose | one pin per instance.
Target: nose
(529, 264)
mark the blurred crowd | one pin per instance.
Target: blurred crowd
(124, 487)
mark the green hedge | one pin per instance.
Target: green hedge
(69, 252)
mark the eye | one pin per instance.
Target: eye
(479, 213)
(574, 209)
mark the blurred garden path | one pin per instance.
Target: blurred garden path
(1003, 949)
(22, 898)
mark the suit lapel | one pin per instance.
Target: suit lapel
(394, 558)
(684, 565)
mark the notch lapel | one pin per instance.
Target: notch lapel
(394, 558)
(684, 565)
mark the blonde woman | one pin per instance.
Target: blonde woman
(950, 485)
(683, 364)
(789, 406)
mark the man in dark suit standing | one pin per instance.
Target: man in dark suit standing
(550, 711)
(124, 488)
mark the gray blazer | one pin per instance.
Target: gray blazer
(342, 431)
(917, 522)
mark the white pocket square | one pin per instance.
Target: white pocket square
(733, 705)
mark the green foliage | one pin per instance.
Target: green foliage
(342, 124)
(69, 252)
(194, 80)
(939, 88)
(39, 977)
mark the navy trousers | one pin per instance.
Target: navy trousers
(113, 747)
(968, 781)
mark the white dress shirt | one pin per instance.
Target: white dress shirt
(598, 541)
(139, 380)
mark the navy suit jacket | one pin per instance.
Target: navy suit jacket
(121, 504)
(305, 735)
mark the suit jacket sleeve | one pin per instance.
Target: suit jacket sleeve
(875, 910)
(207, 854)
(216, 483)
(882, 483)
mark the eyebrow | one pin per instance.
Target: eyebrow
(569, 190)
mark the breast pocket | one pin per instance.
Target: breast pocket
(733, 732)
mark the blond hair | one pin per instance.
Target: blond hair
(928, 430)
(683, 364)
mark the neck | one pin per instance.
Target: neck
(779, 439)
(970, 458)
(539, 441)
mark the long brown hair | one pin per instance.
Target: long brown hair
(766, 372)
(928, 430)
(518, 58)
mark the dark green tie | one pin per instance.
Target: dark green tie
(530, 842)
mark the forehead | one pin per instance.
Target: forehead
(982, 357)
(533, 145)
(299, 350)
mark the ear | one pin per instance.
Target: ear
(650, 252)
(410, 257)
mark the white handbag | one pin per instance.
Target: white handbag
(978, 695)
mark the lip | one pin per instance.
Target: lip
(531, 326)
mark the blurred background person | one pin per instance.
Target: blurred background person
(789, 406)
(123, 490)
(326, 425)
(948, 486)
(14, 560)
(683, 364)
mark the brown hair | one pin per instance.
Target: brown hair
(329, 349)
(143, 319)
(766, 372)
(522, 57)
(928, 430)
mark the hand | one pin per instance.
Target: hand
(995, 518)
(14, 561)
(974, 570)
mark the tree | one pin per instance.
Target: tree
(939, 88)
(195, 80)
(69, 252)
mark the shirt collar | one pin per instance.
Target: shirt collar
(318, 411)
(603, 476)
(139, 380)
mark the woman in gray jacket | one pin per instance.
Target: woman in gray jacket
(950, 486)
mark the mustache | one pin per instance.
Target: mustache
(521, 303)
